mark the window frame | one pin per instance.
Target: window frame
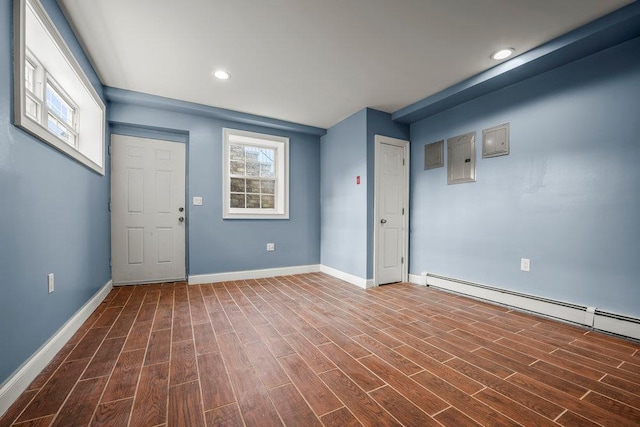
(281, 201)
(89, 147)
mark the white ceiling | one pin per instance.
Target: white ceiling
(312, 62)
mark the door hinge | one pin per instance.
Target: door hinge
(402, 162)
(109, 206)
(110, 262)
(401, 260)
(109, 149)
(402, 211)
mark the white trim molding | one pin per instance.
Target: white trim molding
(201, 279)
(350, 278)
(586, 316)
(20, 380)
(418, 280)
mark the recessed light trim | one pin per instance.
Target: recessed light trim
(502, 54)
(222, 75)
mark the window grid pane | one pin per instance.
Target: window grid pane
(253, 177)
(59, 107)
(57, 128)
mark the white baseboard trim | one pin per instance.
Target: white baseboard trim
(20, 380)
(416, 279)
(350, 278)
(586, 316)
(252, 274)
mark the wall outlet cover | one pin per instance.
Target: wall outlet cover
(271, 247)
(525, 264)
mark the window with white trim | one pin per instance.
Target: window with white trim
(255, 175)
(54, 99)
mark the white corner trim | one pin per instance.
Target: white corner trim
(350, 278)
(20, 379)
(252, 274)
(417, 279)
(587, 316)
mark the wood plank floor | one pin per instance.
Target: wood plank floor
(310, 350)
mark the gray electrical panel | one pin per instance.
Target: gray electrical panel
(434, 155)
(461, 158)
(495, 141)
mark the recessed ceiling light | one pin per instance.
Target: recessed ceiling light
(502, 54)
(222, 75)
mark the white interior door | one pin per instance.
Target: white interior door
(391, 210)
(147, 210)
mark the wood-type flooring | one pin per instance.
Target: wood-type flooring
(310, 350)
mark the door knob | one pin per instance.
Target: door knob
(180, 209)
(181, 219)
(383, 221)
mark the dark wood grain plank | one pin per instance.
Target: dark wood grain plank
(466, 404)
(403, 410)
(364, 378)
(183, 363)
(267, 367)
(521, 395)
(150, 404)
(81, 403)
(354, 349)
(163, 318)
(88, 345)
(453, 417)
(216, 387)
(310, 353)
(512, 409)
(340, 418)
(570, 419)
(366, 410)
(124, 378)
(205, 339)
(105, 358)
(272, 338)
(185, 405)
(392, 357)
(254, 402)
(159, 347)
(224, 416)
(233, 352)
(292, 407)
(448, 374)
(113, 413)
(51, 397)
(122, 326)
(320, 398)
(423, 398)
(138, 338)
(611, 405)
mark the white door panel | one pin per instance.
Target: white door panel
(147, 204)
(391, 189)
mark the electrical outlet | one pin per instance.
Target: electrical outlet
(271, 247)
(525, 264)
(50, 282)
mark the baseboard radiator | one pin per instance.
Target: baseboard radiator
(590, 317)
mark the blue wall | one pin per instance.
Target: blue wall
(567, 196)
(348, 150)
(54, 219)
(378, 123)
(216, 245)
(343, 157)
